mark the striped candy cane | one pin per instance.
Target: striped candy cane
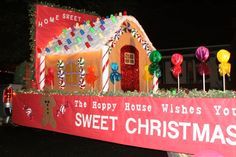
(105, 69)
(41, 72)
(155, 84)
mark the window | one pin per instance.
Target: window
(129, 58)
(71, 73)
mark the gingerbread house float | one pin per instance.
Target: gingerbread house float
(96, 45)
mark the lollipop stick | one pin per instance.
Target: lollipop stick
(51, 85)
(114, 89)
(224, 83)
(178, 83)
(147, 86)
(157, 84)
(203, 82)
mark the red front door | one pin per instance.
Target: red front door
(129, 61)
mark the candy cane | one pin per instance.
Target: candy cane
(41, 72)
(105, 69)
(155, 84)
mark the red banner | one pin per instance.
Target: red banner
(187, 125)
(51, 21)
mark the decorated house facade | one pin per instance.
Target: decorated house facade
(80, 57)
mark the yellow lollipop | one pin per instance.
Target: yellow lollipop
(223, 56)
(224, 68)
(147, 75)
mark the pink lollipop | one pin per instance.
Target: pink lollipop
(202, 53)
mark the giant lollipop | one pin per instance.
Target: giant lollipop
(224, 67)
(154, 69)
(202, 54)
(177, 60)
(114, 76)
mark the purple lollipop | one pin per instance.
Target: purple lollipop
(202, 53)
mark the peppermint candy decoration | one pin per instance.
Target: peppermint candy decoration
(120, 32)
(116, 36)
(82, 72)
(81, 62)
(109, 43)
(62, 84)
(62, 109)
(149, 52)
(28, 111)
(61, 73)
(113, 44)
(134, 33)
(139, 38)
(145, 45)
(82, 83)
(60, 64)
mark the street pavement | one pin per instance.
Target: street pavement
(18, 141)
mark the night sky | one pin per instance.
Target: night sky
(168, 24)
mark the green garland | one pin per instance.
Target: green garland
(183, 93)
(32, 28)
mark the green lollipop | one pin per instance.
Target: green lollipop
(155, 56)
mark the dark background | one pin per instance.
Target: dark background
(169, 24)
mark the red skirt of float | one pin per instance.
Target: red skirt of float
(186, 125)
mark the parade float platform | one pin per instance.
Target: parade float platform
(186, 124)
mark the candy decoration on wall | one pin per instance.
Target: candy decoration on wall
(90, 76)
(115, 76)
(147, 77)
(28, 111)
(62, 109)
(82, 82)
(202, 54)
(224, 67)
(154, 69)
(177, 60)
(61, 74)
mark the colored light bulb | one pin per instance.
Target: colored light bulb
(78, 39)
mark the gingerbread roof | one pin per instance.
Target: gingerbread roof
(92, 36)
